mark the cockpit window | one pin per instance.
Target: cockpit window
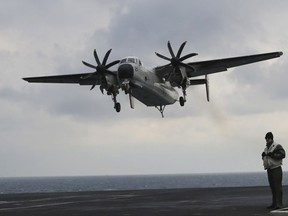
(131, 60)
(122, 61)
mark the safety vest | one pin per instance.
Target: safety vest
(268, 162)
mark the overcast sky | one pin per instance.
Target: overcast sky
(63, 130)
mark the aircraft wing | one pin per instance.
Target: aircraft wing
(218, 65)
(81, 79)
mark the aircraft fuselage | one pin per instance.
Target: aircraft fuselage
(145, 85)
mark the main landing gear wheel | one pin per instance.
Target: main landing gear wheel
(117, 107)
(182, 101)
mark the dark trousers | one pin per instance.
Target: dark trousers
(275, 181)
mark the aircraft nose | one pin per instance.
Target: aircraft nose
(125, 71)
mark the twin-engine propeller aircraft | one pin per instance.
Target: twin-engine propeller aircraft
(154, 87)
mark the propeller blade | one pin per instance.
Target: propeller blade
(88, 76)
(188, 56)
(170, 50)
(186, 66)
(100, 75)
(163, 57)
(112, 64)
(106, 57)
(110, 72)
(96, 57)
(93, 86)
(89, 65)
(180, 49)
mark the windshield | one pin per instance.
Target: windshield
(131, 60)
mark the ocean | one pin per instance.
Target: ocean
(131, 182)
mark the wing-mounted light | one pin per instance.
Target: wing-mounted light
(176, 60)
(101, 70)
(202, 82)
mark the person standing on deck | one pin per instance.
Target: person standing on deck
(272, 161)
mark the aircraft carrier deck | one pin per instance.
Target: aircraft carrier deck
(165, 202)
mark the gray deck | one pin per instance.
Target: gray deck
(201, 201)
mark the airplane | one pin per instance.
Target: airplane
(153, 87)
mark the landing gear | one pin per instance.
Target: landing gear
(117, 105)
(182, 100)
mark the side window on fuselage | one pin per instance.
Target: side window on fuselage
(122, 61)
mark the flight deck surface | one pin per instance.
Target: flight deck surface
(234, 201)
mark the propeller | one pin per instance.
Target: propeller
(101, 68)
(176, 60)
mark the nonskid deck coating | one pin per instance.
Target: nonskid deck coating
(196, 201)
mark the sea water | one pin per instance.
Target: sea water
(132, 182)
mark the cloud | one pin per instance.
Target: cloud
(80, 130)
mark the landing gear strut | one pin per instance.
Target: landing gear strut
(117, 105)
(182, 100)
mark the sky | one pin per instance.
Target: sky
(68, 130)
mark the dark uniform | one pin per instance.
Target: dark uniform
(272, 161)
